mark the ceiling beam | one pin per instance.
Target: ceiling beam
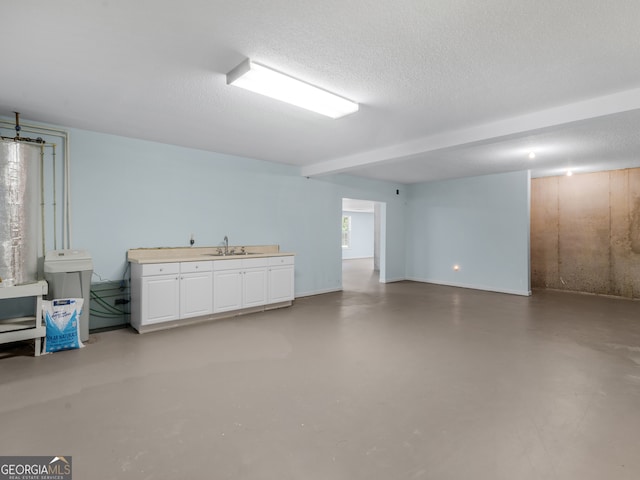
(531, 122)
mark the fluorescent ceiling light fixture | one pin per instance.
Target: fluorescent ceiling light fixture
(260, 79)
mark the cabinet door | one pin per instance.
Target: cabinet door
(196, 294)
(254, 287)
(160, 299)
(281, 286)
(227, 290)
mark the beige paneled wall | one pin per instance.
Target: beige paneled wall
(544, 233)
(585, 233)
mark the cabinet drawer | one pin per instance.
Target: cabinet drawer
(273, 261)
(233, 264)
(192, 267)
(149, 269)
(254, 262)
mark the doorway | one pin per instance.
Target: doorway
(362, 240)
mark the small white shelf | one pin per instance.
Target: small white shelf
(25, 328)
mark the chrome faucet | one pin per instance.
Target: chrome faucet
(226, 245)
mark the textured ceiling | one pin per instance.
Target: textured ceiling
(447, 89)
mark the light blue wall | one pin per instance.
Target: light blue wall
(479, 223)
(129, 193)
(361, 236)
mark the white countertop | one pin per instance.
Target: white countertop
(198, 254)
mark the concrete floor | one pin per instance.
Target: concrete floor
(397, 381)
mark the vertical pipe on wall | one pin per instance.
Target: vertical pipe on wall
(67, 198)
(42, 210)
(55, 203)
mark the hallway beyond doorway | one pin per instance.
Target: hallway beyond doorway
(358, 274)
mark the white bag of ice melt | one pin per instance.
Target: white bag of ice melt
(62, 318)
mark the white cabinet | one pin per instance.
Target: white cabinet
(196, 282)
(155, 293)
(239, 283)
(171, 292)
(227, 289)
(160, 295)
(280, 279)
(254, 287)
(163, 292)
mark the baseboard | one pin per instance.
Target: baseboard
(392, 280)
(318, 292)
(153, 327)
(524, 293)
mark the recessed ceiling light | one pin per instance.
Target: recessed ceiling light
(532, 155)
(266, 81)
(569, 173)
